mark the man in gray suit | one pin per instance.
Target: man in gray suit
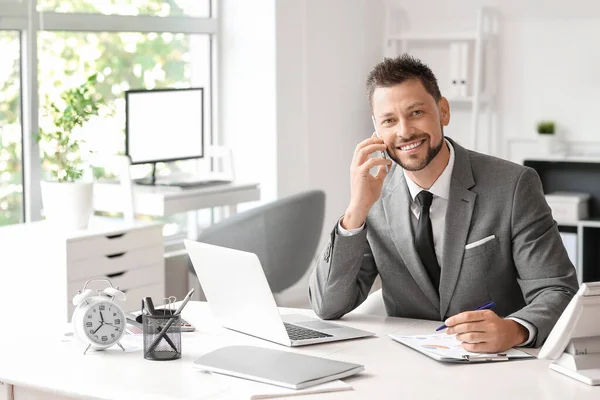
(447, 229)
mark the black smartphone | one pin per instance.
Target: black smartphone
(383, 155)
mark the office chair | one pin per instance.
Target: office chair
(283, 234)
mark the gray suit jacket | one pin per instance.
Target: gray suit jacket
(525, 269)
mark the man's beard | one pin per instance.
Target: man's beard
(417, 165)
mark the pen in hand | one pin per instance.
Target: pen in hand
(487, 306)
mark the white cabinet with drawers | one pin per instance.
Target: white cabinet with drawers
(43, 266)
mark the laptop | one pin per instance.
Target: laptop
(239, 297)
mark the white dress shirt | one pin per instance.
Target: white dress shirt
(437, 213)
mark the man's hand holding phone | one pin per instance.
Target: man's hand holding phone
(365, 188)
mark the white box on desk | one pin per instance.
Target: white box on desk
(568, 207)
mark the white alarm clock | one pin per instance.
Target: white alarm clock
(97, 320)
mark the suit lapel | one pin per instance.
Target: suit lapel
(398, 214)
(458, 220)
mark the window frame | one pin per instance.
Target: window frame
(24, 17)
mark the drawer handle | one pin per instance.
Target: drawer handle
(115, 275)
(118, 235)
(116, 255)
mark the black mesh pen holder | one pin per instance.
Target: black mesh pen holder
(158, 345)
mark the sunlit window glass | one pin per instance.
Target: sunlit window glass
(11, 173)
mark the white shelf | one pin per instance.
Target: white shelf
(478, 52)
(590, 223)
(438, 37)
(581, 159)
(469, 99)
(585, 223)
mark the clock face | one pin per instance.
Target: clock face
(104, 323)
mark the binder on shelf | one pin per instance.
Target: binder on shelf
(454, 70)
(459, 70)
(463, 70)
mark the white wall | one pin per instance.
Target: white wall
(325, 49)
(557, 79)
(246, 80)
(549, 60)
(292, 83)
(291, 92)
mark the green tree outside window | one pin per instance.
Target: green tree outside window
(121, 61)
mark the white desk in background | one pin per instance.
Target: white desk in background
(162, 201)
(40, 366)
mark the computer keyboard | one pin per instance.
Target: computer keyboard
(193, 183)
(296, 332)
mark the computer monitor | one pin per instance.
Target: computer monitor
(575, 339)
(163, 125)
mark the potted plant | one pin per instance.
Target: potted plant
(66, 199)
(546, 130)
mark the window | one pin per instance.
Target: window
(159, 8)
(130, 44)
(122, 61)
(11, 177)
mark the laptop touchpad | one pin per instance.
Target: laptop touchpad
(318, 325)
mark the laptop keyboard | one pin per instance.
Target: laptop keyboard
(296, 332)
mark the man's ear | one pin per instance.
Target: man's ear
(444, 108)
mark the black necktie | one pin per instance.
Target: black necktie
(424, 240)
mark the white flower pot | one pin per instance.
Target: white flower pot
(548, 143)
(68, 204)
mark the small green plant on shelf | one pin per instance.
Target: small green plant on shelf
(546, 128)
(61, 151)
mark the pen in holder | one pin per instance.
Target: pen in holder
(168, 346)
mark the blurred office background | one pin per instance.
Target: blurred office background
(284, 86)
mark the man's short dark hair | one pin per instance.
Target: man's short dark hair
(393, 71)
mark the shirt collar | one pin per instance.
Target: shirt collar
(441, 187)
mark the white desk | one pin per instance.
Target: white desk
(392, 370)
(162, 201)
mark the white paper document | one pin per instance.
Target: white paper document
(444, 347)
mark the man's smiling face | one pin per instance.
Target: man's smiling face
(410, 122)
